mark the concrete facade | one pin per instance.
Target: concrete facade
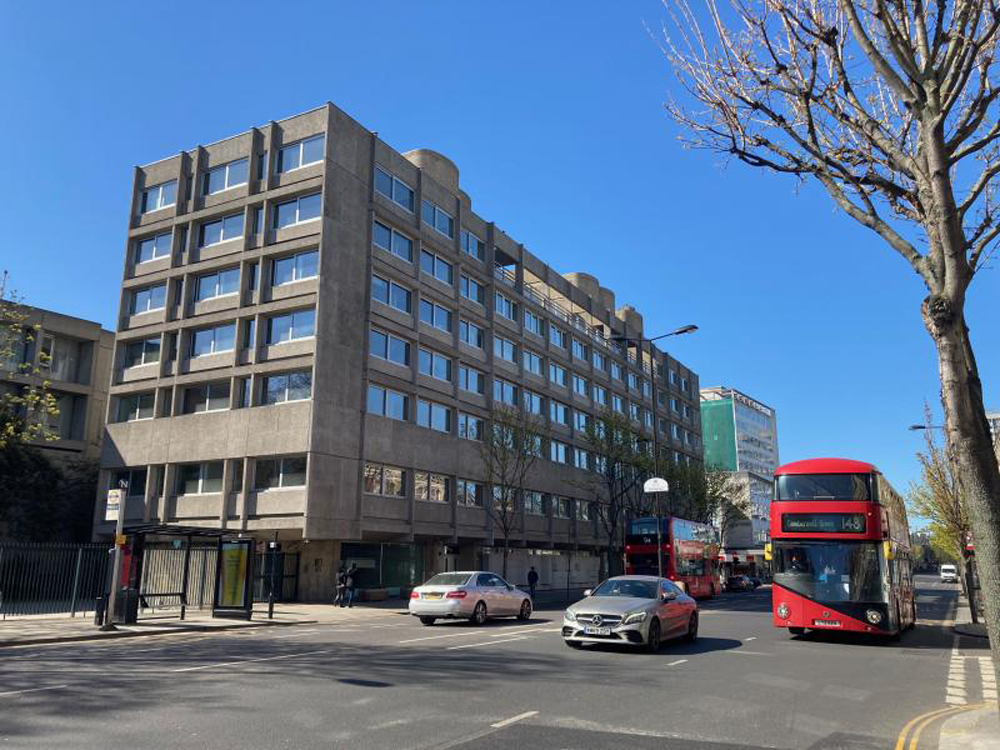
(316, 465)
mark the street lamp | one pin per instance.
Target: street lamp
(654, 486)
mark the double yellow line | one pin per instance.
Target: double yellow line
(918, 724)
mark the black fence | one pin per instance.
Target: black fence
(40, 579)
(278, 571)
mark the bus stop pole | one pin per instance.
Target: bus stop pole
(116, 566)
(659, 538)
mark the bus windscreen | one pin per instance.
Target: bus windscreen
(830, 571)
(793, 487)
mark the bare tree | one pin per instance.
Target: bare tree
(728, 498)
(24, 410)
(509, 449)
(893, 108)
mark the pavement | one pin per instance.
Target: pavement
(372, 678)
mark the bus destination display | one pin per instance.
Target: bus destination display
(823, 523)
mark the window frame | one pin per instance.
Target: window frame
(290, 314)
(297, 200)
(393, 180)
(294, 257)
(154, 239)
(226, 167)
(158, 187)
(301, 147)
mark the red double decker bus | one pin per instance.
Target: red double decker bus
(840, 549)
(690, 553)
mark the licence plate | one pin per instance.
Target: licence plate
(432, 596)
(597, 631)
(827, 623)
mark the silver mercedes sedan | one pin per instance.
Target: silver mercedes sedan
(473, 595)
(631, 610)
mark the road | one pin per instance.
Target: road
(381, 680)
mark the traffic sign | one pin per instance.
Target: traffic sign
(113, 507)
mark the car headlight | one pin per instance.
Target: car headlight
(570, 616)
(633, 618)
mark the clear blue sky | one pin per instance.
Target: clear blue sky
(553, 113)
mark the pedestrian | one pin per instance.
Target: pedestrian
(341, 586)
(532, 581)
(350, 584)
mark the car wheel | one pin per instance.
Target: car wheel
(525, 613)
(653, 637)
(479, 614)
(428, 620)
(574, 644)
(692, 634)
(796, 631)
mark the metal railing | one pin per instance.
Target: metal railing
(42, 579)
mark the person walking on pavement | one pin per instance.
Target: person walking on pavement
(341, 586)
(532, 581)
(350, 583)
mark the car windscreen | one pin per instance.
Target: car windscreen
(448, 579)
(627, 587)
(793, 487)
(830, 571)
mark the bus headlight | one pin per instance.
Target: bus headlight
(783, 611)
(873, 616)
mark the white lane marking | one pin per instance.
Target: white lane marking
(466, 633)
(675, 663)
(955, 689)
(31, 690)
(751, 638)
(488, 643)
(248, 661)
(512, 719)
(744, 652)
(522, 632)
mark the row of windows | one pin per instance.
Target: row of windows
(207, 477)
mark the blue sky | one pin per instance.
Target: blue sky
(553, 113)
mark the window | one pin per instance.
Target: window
(213, 340)
(559, 452)
(387, 346)
(199, 479)
(532, 362)
(504, 391)
(131, 480)
(244, 388)
(559, 412)
(557, 337)
(436, 217)
(295, 268)
(433, 314)
(634, 411)
(386, 403)
(580, 386)
(687, 411)
(302, 209)
(504, 348)
(250, 334)
(470, 427)
(288, 386)
(206, 397)
(645, 387)
(435, 365)
(431, 488)
(472, 289)
(533, 323)
(557, 374)
(580, 420)
(687, 437)
(647, 418)
(581, 460)
(599, 360)
(436, 266)
(472, 245)
(252, 277)
(583, 510)
(149, 298)
(532, 402)
(221, 230)
(534, 503)
(258, 220)
(675, 432)
(633, 381)
(394, 188)
(392, 241)
(218, 284)
(684, 385)
(505, 307)
(470, 493)
(275, 473)
(600, 395)
(390, 293)
(226, 176)
(138, 353)
(616, 370)
(471, 380)
(135, 406)
(152, 248)
(300, 154)
(673, 377)
(159, 196)
(617, 403)
(385, 480)
(675, 405)
(471, 334)
(562, 507)
(579, 349)
(300, 324)
(435, 416)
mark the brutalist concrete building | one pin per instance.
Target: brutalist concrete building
(313, 327)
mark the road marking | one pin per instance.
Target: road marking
(465, 633)
(744, 652)
(675, 663)
(901, 740)
(512, 719)
(248, 661)
(751, 638)
(31, 690)
(915, 739)
(955, 689)
(488, 643)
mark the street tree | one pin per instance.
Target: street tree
(509, 450)
(25, 409)
(892, 107)
(728, 499)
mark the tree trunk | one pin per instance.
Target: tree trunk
(972, 450)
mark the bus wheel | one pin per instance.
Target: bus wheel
(796, 631)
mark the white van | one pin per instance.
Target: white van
(949, 574)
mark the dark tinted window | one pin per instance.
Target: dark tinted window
(824, 487)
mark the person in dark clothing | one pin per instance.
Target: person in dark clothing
(351, 582)
(532, 581)
(341, 586)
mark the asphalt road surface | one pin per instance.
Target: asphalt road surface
(381, 680)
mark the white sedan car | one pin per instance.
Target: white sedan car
(474, 595)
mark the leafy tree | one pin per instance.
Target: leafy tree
(892, 107)
(40, 502)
